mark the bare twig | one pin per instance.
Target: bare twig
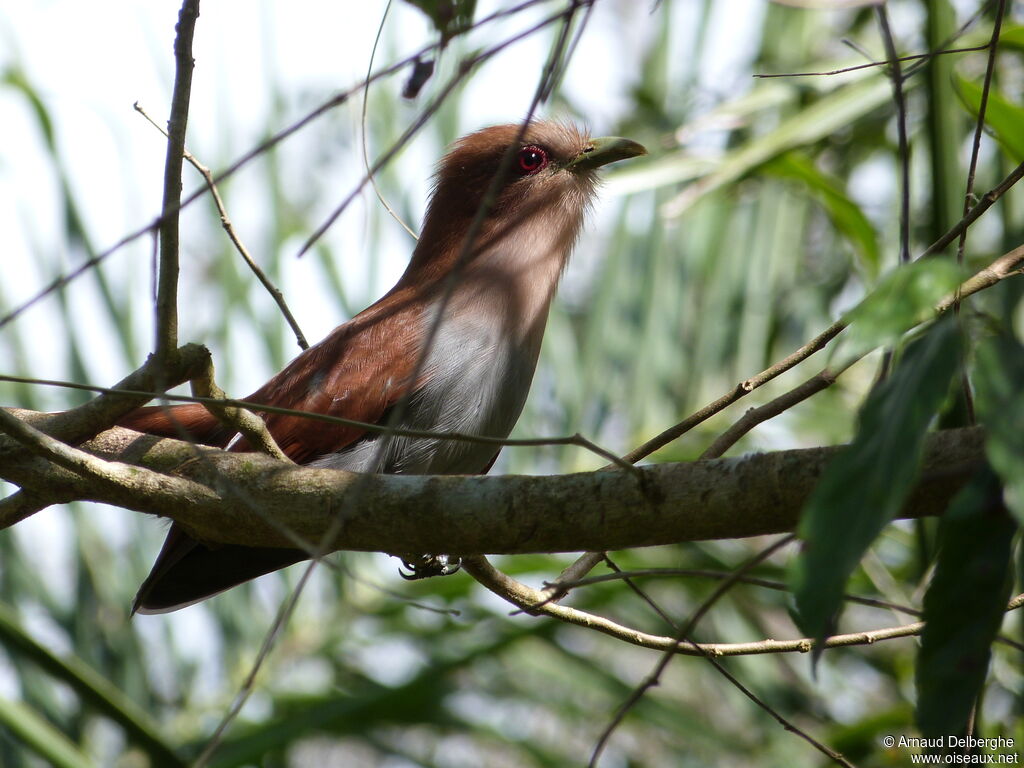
(140, 396)
(684, 636)
(812, 386)
(241, 420)
(366, 100)
(979, 124)
(965, 385)
(229, 229)
(984, 203)
(136, 389)
(532, 601)
(896, 76)
(822, 340)
(167, 280)
(870, 64)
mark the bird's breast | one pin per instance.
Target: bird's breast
(477, 375)
(475, 379)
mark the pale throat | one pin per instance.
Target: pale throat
(511, 283)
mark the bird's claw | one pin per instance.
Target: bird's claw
(425, 566)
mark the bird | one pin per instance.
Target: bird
(478, 334)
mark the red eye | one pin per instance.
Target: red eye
(532, 159)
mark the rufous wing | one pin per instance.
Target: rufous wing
(359, 372)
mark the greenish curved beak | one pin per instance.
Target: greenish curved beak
(605, 150)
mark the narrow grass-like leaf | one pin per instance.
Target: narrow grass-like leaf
(964, 606)
(844, 213)
(998, 376)
(40, 736)
(865, 486)
(90, 686)
(1012, 37)
(824, 117)
(1003, 116)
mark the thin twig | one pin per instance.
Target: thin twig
(754, 416)
(167, 279)
(778, 586)
(532, 602)
(703, 573)
(683, 636)
(871, 64)
(628, 580)
(1005, 266)
(896, 76)
(972, 168)
(458, 437)
(984, 203)
(241, 420)
(229, 228)
(362, 136)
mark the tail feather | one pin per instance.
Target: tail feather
(188, 571)
(191, 420)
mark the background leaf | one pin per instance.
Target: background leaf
(998, 378)
(843, 212)
(1004, 117)
(964, 606)
(865, 486)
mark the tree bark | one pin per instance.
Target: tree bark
(251, 499)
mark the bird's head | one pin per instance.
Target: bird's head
(548, 182)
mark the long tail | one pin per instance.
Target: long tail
(187, 571)
(191, 421)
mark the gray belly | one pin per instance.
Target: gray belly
(478, 380)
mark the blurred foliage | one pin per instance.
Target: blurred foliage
(767, 209)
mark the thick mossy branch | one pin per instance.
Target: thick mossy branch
(666, 503)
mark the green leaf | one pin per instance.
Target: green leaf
(998, 375)
(90, 686)
(40, 736)
(1012, 37)
(824, 117)
(447, 15)
(905, 297)
(1001, 115)
(964, 606)
(845, 214)
(864, 488)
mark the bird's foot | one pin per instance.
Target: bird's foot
(425, 566)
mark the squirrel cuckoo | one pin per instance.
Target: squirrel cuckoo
(476, 372)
